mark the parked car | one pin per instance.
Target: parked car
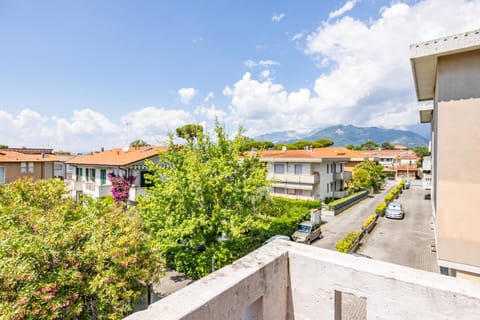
(406, 185)
(277, 237)
(307, 232)
(394, 211)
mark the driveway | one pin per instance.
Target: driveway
(406, 242)
(338, 226)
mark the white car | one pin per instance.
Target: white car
(394, 211)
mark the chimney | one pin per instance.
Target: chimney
(102, 149)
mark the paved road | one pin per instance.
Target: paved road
(406, 242)
(351, 219)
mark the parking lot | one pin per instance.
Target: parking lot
(408, 241)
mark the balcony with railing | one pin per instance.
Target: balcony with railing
(96, 191)
(135, 192)
(285, 280)
(296, 178)
(342, 175)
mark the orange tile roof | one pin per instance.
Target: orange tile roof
(118, 157)
(299, 154)
(339, 152)
(13, 156)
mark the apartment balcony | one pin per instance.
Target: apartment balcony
(296, 178)
(74, 185)
(96, 191)
(285, 280)
(135, 192)
(342, 175)
(292, 196)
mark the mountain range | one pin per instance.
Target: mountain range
(343, 135)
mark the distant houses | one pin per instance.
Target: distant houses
(90, 173)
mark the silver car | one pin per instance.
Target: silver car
(394, 211)
(307, 232)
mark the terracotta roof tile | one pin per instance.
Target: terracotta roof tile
(12, 156)
(118, 157)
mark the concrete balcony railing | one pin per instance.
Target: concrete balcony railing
(292, 196)
(342, 175)
(296, 178)
(74, 185)
(134, 192)
(285, 280)
(96, 191)
(340, 194)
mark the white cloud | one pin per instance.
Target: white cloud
(262, 63)
(345, 8)
(187, 94)
(209, 96)
(297, 36)
(365, 76)
(153, 122)
(210, 112)
(278, 17)
(265, 74)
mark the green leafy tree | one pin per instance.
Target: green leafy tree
(350, 146)
(298, 145)
(387, 146)
(189, 132)
(369, 145)
(421, 152)
(3, 146)
(202, 192)
(367, 175)
(138, 143)
(64, 260)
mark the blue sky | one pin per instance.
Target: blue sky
(80, 75)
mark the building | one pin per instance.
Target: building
(15, 165)
(446, 71)
(285, 280)
(308, 174)
(396, 163)
(90, 174)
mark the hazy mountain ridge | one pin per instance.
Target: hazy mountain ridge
(343, 135)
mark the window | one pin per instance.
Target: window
(298, 192)
(93, 175)
(328, 168)
(23, 167)
(30, 167)
(298, 169)
(103, 176)
(278, 190)
(291, 191)
(77, 174)
(2, 174)
(279, 168)
(328, 187)
(81, 173)
(341, 167)
(58, 167)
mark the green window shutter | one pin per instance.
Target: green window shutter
(93, 175)
(77, 174)
(81, 173)
(103, 176)
(86, 174)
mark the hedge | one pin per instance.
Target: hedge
(340, 203)
(369, 220)
(348, 241)
(380, 208)
(388, 198)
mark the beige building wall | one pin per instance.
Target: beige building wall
(457, 148)
(41, 170)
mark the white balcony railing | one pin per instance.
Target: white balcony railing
(286, 280)
(296, 178)
(134, 192)
(342, 175)
(292, 196)
(340, 194)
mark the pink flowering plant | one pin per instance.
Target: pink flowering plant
(120, 187)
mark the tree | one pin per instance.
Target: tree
(421, 152)
(3, 146)
(138, 143)
(387, 146)
(299, 145)
(368, 174)
(189, 131)
(369, 145)
(201, 192)
(62, 259)
(350, 146)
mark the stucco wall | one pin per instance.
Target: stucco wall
(457, 154)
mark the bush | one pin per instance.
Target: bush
(347, 242)
(388, 198)
(340, 203)
(369, 220)
(380, 209)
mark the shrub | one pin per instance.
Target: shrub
(369, 220)
(388, 198)
(380, 208)
(347, 242)
(339, 203)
